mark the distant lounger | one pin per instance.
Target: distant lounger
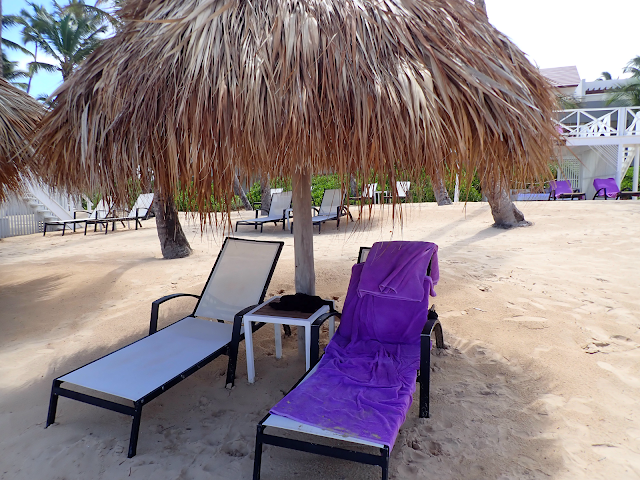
(361, 390)
(331, 208)
(280, 206)
(608, 188)
(143, 370)
(140, 211)
(561, 189)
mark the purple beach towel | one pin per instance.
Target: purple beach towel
(560, 187)
(609, 185)
(364, 383)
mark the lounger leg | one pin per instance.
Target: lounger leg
(233, 350)
(135, 429)
(257, 459)
(45, 230)
(64, 226)
(53, 404)
(425, 373)
(315, 346)
(384, 452)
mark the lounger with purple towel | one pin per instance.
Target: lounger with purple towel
(608, 188)
(361, 390)
(561, 189)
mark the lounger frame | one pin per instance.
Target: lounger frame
(432, 330)
(135, 410)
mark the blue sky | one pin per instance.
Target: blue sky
(590, 34)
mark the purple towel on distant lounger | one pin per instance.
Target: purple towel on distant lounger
(609, 184)
(364, 384)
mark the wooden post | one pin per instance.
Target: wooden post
(303, 241)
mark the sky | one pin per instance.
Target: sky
(595, 36)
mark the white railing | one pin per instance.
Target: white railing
(599, 122)
(17, 218)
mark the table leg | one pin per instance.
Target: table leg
(276, 327)
(307, 345)
(248, 342)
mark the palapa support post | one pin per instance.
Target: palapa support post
(303, 241)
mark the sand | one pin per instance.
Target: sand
(541, 378)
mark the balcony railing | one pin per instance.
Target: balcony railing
(599, 122)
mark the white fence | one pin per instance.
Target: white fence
(18, 218)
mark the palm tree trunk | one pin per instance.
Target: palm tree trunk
(440, 190)
(265, 194)
(353, 186)
(173, 242)
(505, 214)
(237, 189)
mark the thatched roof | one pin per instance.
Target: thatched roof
(201, 89)
(19, 115)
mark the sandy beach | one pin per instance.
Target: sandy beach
(540, 380)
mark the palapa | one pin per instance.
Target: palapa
(19, 115)
(195, 91)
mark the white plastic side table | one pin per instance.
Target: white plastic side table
(264, 313)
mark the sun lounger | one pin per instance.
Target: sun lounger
(561, 189)
(402, 190)
(370, 193)
(280, 205)
(361, 390)
(140, 211)
(143, 370)
(608, 188)
(331, 208)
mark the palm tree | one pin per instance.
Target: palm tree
(628, 94)
(495, 185)
(11, 73)
(69, 34)
(604, 76)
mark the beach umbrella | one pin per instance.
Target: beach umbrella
(189, 93)
(19, 115)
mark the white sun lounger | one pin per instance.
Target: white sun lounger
(140, 211)
(280, 203)
(143, 370)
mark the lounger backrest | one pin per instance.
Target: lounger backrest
(560, 187)
(403, 188)
(239, 278)
(142, 205)
(607, 183)
(279, 203)
(364, 253)
(102, 209)
(370, 191)
(331, 200)
(276, 190)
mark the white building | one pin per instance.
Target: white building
(601, 141)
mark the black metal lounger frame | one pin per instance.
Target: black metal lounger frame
(260, 221)
(622, 194)
(135, 411)
(432, 329)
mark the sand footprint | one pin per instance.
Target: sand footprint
(623, 376)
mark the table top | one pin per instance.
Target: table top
(266, 313)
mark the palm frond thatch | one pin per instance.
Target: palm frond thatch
(19, 115)
(197, 90)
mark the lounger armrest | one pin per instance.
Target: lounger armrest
(155, 306)
(598, 193)
(315, 209)
(321, 319)
(431, 329)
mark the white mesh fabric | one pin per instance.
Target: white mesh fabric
(331, 200)
(403, 188)
(279, 203)
(238, 278)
